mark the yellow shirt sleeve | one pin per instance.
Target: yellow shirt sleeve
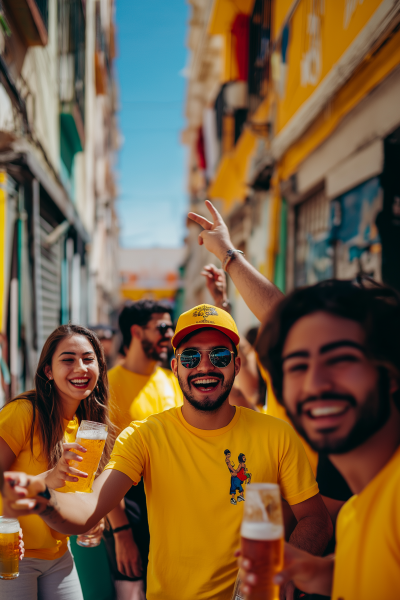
(296, 478)
(129, 454)
(15, 424)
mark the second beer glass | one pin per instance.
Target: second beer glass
(91, 436)
(9, 548)
(263, 537)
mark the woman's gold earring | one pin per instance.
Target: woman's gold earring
(48, 393)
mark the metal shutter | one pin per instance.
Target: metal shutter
(50, 288)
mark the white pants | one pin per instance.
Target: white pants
(44, 580)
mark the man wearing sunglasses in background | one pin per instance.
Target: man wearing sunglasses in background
(194, 527)
(139, 387)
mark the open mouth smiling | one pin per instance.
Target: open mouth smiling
(326, 411)
(205, 384)
(79, 383)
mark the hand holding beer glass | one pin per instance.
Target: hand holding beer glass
(9, 548)
(91, 436)
(262, 536)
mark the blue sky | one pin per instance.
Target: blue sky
(151, 166)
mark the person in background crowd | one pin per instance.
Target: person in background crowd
(139, 388)
(106, 334)
(333, 354)
(37, 436)
(194, 526)
(249, 380)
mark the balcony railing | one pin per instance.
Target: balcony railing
(72, 51)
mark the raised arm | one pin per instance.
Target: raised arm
(77, 513)
(258, 293)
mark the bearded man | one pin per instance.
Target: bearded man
(139, 387)
(194, 527)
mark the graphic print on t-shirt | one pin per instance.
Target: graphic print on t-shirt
(239, 476)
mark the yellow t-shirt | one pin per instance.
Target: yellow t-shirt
(274, 409)
(367, 559)
(135, 397)
(194, 527)
(15, 427)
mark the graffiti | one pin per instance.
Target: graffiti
(349, 10)
(311, 63)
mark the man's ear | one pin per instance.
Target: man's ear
(238, 364)
(136, 332)
(174, 366)
(393, 384)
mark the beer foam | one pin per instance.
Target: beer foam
(8, 525)
(91, 434)
(261, 531)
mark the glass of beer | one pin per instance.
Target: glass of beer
(262, 535)
(9, 548)
(91, 436)
(92, 538)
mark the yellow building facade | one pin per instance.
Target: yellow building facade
(311, 130)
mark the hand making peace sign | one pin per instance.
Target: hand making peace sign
(215, 236)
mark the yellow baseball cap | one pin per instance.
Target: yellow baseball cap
(205, 315)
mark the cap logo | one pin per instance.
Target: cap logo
(204, 311)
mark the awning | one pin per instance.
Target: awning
(231, 180)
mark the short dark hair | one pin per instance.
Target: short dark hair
(227, 452)
(241, 456)
(374, 306)
(139, 313)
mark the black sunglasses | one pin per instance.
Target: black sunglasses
(219, 357)
(164, 327)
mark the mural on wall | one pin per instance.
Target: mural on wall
(354, 232)
(339, 238)
(314, 252)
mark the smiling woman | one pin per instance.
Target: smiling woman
(37, 435)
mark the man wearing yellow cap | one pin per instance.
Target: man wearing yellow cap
(194, 526)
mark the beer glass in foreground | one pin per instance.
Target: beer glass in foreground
(91, 436)
(263, 537)
(93, 537)
(9, 548)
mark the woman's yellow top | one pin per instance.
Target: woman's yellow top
(15, 428)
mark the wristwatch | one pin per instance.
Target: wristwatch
(230, 255)
(46, 494)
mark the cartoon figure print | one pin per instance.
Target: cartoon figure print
(239, 476)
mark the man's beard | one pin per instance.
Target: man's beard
(151, 351)
(371, 417)
(207, 405)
